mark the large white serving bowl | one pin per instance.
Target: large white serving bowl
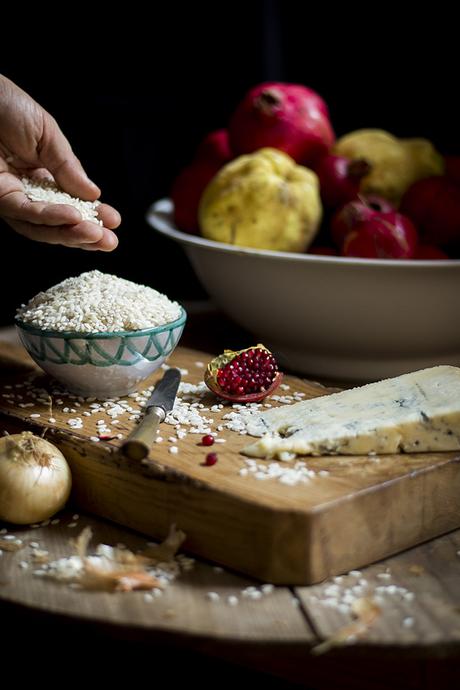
(331, 317)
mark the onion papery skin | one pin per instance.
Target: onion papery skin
(35, 479)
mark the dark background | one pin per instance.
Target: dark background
(135, 92)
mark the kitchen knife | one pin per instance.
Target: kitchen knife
(139, 442)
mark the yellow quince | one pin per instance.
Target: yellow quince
(262, 200)
(395, 163)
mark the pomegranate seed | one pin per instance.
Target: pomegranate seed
(207, 440)
(252, 371)
(211, 459)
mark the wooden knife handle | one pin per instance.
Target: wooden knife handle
(138, 444)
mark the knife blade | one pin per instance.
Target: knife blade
(139, 442)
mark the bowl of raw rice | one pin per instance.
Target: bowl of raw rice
(100, 335)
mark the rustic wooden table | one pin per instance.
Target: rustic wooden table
(190, 637)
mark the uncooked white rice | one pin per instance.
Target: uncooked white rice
(96, 302)
(46, 190)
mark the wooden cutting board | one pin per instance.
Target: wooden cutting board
(363, 510)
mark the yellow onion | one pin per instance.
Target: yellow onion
(35, 479)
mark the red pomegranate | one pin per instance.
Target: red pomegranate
(434, 205)
(243, 376)
(384, 236)
(289, 117)
(215, 147)
(186, 193)
(212, 153)
(452, 170)
(340, 179)
(354, 212)
(428, 252)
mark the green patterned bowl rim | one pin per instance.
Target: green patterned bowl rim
(66, 335)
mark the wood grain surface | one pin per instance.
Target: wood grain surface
(184, 605)
(414, 644)
(420, 607)
(274, 634)
(364, 509)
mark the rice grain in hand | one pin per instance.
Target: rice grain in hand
(49, 192)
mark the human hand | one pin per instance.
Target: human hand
(32, 144)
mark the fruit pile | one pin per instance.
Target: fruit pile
(277, 178)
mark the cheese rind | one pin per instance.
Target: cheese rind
(412, 413)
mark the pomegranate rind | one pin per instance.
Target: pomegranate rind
(221, 360)
(243, 399)
(212, 370)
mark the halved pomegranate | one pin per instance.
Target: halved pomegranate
(243, 376)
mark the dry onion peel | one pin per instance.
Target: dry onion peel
(95, 576)
(114, 569)
(6, 545)
(366, 612)
(81, 543)
(40, 556)
(35, 479)
(416, 569)
(168, 548)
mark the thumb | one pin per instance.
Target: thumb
(56, 155)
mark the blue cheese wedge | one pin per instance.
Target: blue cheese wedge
(413, 413)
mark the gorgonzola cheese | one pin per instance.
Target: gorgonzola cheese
(412, 413)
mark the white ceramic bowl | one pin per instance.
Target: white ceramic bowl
(102, 364)
(331, 317)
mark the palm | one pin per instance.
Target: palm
(32, 143)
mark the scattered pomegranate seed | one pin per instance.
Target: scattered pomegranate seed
(211, 459)
(207, 440)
